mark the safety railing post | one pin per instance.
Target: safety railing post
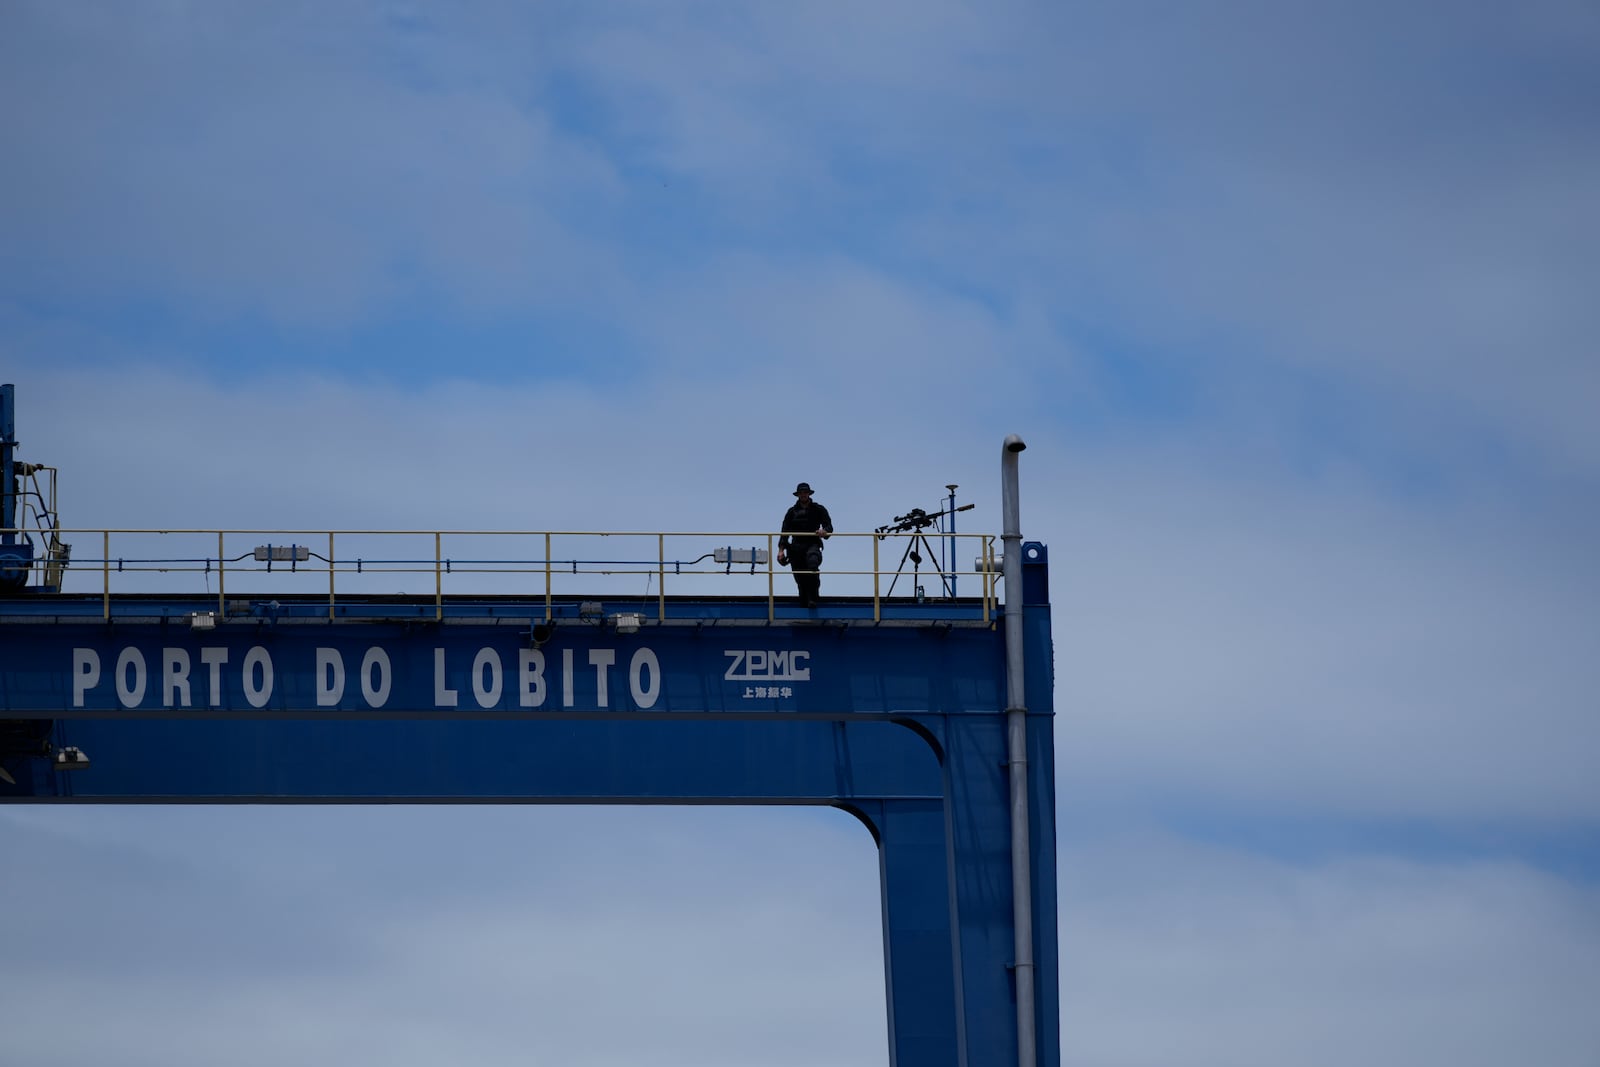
(661, 583)
(877, 607)
(991, 584)
(772, 564)
(438, 576)
(547, 609)
(105, 570)
(982, 563)
(330, 575)
(222, 563)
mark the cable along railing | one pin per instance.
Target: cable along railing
(874, 567)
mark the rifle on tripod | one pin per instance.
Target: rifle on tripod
(915, 522)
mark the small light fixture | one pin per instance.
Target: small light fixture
(71, 758)
(626, 622)
(289, 553)
(739, 555)
(203, 620)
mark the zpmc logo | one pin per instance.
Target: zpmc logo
(767, 666)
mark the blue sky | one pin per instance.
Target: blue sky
(1292, 302)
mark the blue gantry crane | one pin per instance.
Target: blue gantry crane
(258, 679)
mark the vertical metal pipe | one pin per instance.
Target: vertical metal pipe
(1017, 754)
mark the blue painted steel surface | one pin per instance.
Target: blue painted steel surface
(16, 562)
(901, 725)
(16, 545)
(15, 555)
(87, 669)
(8, 444)
(502, 610)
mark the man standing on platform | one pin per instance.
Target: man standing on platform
(805, 526)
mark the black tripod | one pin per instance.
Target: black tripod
(912, 544)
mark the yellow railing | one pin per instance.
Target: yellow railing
(920, 566)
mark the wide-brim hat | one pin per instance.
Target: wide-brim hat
(803, 487)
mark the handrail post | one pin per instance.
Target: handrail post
(222, 603)
(988, 577)
(877, 607)
(438, 576)
(994, 578)
(981, 563)
(983, 573)
(547, 611)
(105, 570)
(330, 575)
(772, 564)
(661, 583)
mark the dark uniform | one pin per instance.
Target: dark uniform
(800, 546)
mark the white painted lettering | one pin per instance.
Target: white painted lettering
(214, 658)
(330, 677)
(767, 665)
(376, 695)
(643, 660)
(175, 678)
(130, 695)
(85, 673)
(530, 664)
(442, 697)
(257, 659)
(488, 695)
(600, 659)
